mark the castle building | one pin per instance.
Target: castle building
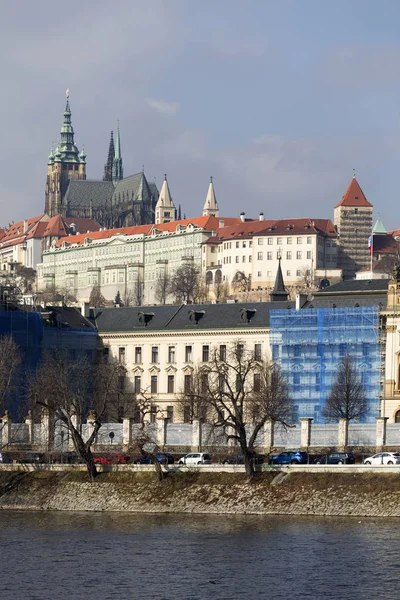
(353, 222)
(113, 202)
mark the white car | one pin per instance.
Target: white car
(195, 458)
(383, 458)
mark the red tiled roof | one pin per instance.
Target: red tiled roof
(275, 227)
(206, 223)
(385, 244)
(17, 230)
(59, 226)
(354, 196)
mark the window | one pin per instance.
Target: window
(204, 383)
(297, 351)
(240, 350)
(288, 273)
(269, 255)
(269, 273)
(299, 240)
(153, 414)
(154, 384)
(296, 381)
(188, 383)
(279, 241)
(288, 255)
(237, 244)
(106, 354)
(256, 382)
(138, 355)
(259, 273)
(222, 352)
(237, 259)
(171, 354)
(289, 240)
(270, 241)
(244, 244)
(250, 244)
(138, 384)
(257, 351)
(206, 353)
(154, 354)
(309, 254)
(309, 240)
(221, 383)
(188, 354)
(170, 414)
(260, 242)
(121, 355)
(298, 254)
(243, 259)
(250, 259)
(259, 256)
(298, 273)
(171, 384)
(186, 414)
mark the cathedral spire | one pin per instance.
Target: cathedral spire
(117, 169)
(66, 151)
(108, 167)
(210, 208)
(165, 207)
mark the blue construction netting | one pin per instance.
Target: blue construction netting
(309, 345)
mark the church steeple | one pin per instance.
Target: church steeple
(210, 208)
(108, 167)
(117, 169)
(279, 294)
(165, 207)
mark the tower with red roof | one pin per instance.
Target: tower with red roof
(353, 221)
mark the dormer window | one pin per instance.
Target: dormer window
(196, 315)
(145, 318)
(246, 314)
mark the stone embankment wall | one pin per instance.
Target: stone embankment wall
(331, 494)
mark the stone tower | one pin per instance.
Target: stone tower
(165, 207)
(65, 164)
(210, 208)
(353, 221)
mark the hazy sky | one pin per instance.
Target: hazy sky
(278, 100)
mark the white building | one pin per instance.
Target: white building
(307, 248)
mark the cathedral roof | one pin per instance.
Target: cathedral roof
(84, 192)
(354, 196)
(133, 188)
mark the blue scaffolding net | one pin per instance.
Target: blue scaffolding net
(310, 344)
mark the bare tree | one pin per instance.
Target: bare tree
(145, 438)
(96, 298)
(347, 398)
(239, 389)
(67, 296)
(162, 287)
(10, 360)
(241, 282)
(69, 389)
(138, 292)
(185, 282)
(220, 289)
(129, 296)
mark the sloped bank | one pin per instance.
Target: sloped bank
(366, 494)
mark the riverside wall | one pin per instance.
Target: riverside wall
(367, 494)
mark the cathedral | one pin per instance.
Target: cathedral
(113, 202)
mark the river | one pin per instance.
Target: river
(115, 556)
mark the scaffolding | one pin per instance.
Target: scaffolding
(309, 345)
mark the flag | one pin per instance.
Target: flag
(371, 243)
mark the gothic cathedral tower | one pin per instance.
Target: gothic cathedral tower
(65, 164)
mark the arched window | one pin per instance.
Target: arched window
(209, 277)
(397, 417)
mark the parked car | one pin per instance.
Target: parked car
(238, 459)
(195, 458)
(32, 458)
(162, 457)
(103, 460)
(289, 457)
(383, 458)
(5, 459)
(336, 458)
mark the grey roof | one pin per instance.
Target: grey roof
(132, 188)
(355, 286)
(69, 316)
(154, 191)
(83, 192)
(378, 300)
(188, 317)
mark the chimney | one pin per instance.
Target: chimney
(85, 312)
(221, 223)
(261, 217)
(242, 216)
(301, 299)
(25, 226)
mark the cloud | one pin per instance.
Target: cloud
(163, 107)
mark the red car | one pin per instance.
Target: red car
(121, 459)
(103, 460)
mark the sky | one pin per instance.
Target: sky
(278, 100)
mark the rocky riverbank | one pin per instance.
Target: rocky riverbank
(331, 494)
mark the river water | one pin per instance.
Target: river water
(115, 556)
